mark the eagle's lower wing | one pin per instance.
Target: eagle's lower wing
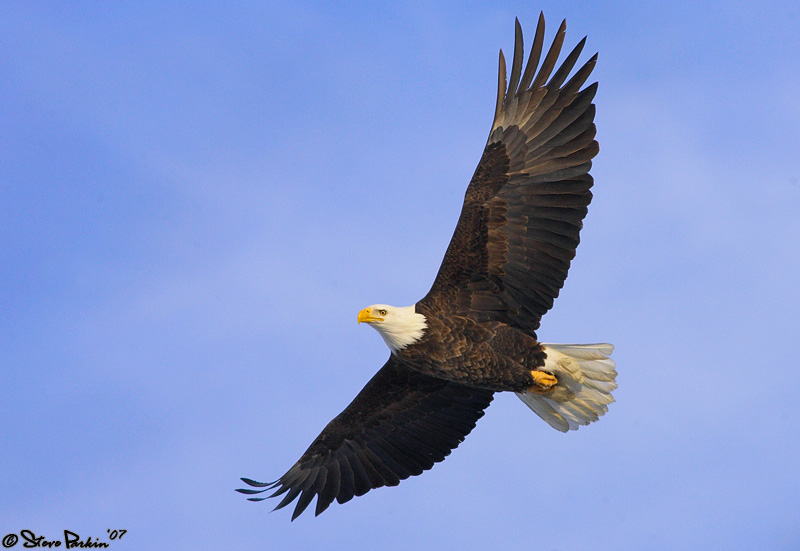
(399, 425)
(524, 207)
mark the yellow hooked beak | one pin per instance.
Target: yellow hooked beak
(366, 316)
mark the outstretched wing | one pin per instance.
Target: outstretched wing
(399, 425)
(523, 209)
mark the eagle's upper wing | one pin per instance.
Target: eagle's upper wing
(399, 425)
(524, 207)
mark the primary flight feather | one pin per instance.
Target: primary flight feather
(473, 334)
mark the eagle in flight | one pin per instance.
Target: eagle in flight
(473, 334)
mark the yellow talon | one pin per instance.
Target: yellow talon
(543, 382)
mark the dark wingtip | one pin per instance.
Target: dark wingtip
(261, 488)
(249, 492)
(256, 484)
(321, 506)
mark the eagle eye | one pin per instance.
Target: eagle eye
(382, 312)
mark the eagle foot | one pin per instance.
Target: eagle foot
(543, 382)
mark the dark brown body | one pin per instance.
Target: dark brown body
(489, 355)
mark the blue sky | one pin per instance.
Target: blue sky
(195, 202)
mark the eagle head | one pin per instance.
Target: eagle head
(399, 326)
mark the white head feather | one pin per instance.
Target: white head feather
(399, 326)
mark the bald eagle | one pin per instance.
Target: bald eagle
(473, 334)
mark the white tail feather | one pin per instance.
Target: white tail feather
(586, 377)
